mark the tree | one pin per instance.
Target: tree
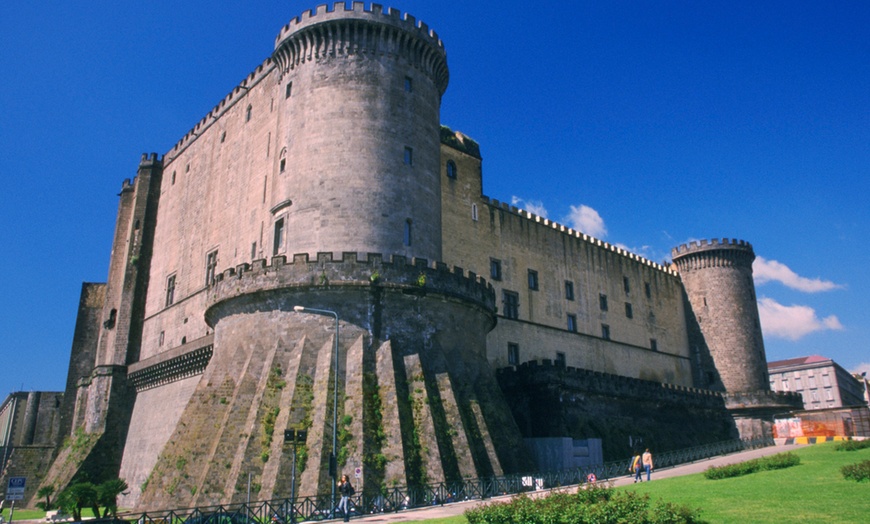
(47, 492)
(107, 495)
(78, 496)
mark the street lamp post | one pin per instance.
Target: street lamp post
(333, 460)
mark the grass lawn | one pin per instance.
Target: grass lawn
(813, 491)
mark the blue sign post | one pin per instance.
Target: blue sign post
(15, 491)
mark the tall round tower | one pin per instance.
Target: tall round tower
(359, 132)
(717, 277)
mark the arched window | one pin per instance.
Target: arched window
(451, 169)
(407, 236)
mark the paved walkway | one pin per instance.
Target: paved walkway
(458, 508)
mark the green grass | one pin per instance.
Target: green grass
(814, 491)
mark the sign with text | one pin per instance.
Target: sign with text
(15, 489)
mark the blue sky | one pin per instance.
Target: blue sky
(647, 124)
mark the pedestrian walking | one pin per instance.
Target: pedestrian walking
(647, 463)
(346, 490)
(637, 468)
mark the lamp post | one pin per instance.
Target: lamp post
(333, 462)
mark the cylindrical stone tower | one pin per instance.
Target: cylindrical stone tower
(717, 277)
(359, 132)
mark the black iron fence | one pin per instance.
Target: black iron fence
(319, 507)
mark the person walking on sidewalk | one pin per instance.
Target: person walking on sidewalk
(637, 468)
(346, 490)
(647, 463)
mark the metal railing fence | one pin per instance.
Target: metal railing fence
(391, 499)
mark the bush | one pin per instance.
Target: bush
(853, 445)
(859, 472)
(778, 461)
(592, 505)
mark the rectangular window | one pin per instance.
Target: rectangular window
(569, 290)
(253, 251)
(210, 267)
(160, 339)
(494, 269)
(602, 302)
(409, 84)
(797, 383)
(572, 323)
(785, 385)
(626, 285)
(409, 156)
(533, 280)
(474, 212)
(826, 380)
(812, 382)
(653, 344)
(170, 290)
(278, 241)
(815, 396)
(560, 359)
(647, 290)
(406, 239)
(829, 394)
(511, 302)
(605, 331)
(513, 354)
(628, 311)
(288, 90)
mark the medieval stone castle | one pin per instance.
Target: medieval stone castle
(456, 325)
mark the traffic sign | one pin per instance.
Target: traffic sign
(15, 489)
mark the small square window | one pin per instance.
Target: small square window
(569, 290)
(494, 269)
(533, 280)
(653, 344)
(513, 354)
(409, 156)
(605, 331)
(572, 323)
(288, 90)
(602, 302)
(628, 311)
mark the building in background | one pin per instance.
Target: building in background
(821, 382)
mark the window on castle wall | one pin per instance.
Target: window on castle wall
(647, 290)
(160, 339)
(626, 285)
(653, 344)
(474, 212)
(605, 331)
(288, 90)
(451, 169)
(513, 354)
(629, 313)
(173, 178)
(560, 359)
(170, 290)
(253, 250)
(406, 238)
(533, 280)
(409, 156)
(278, 239)
(248, 112)
(210, 267)
(569, 290)
(409, 84)
(572, 323)
(494, 269)
(511, 303)
(282, 165)
(602, 302)
(223, 137)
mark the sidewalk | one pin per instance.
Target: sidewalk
(458, 508)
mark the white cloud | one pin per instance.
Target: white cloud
(792, 322)
(584, 218)
(772, 271)
(532, 206)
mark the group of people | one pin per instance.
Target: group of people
(641, 463)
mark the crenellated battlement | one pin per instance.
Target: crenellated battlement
(713, 253)
(545, 222)
(326, 271)
(255, 77)
(339, 31)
